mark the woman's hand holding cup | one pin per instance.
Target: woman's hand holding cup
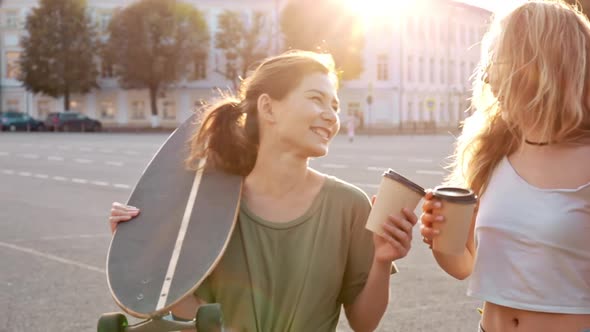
(431, 214)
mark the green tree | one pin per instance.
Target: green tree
(152, 44)
(241, 43)
(325, 25)
(59, 50)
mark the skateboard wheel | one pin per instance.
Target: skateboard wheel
(112, 322)
(209, 318)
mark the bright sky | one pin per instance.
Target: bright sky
(492, 5)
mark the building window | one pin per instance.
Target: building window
(168, 110)
(463, 34)
(138, 110)
(442, 108)
(452, 76)
(442, 71)
(463, 73)
(106, 68)
(200, 67)
(43, 108)
(12, 65)
(421, 69)
(107, 109)
(104, 19)
(76, 106)
(382, 68)
(451, 112)
(421, 29)
(12, 20)
(421, 114)
(410, 111)
(432, 29)
(432, 79)
(13, 105)
(452, 33)
(410, 68)
(230, 70)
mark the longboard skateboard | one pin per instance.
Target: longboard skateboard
(163, 255)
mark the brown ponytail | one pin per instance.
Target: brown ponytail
(229, 132)
(222, 137)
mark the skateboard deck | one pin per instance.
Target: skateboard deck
(185, 223)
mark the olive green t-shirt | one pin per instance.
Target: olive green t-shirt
(295, 276)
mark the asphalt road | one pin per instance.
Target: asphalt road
(55, 195)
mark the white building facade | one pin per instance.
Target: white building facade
(417, 64)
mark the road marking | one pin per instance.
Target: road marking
(377, 168)
(382, 158)
(61, 178)
(55, 158)
(74, 236)
(335, 166)
(114, 163)
(420, 160)
(30, 156)
(52, 257)
(426, 172)
(83, 161)
(366, 185)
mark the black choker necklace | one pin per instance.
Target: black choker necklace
(535, 143)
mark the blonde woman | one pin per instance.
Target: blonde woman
(526, 153)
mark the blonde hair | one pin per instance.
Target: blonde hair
(228, 135)
(533, 78)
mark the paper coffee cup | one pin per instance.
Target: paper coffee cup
(458, 205)
(395, 193)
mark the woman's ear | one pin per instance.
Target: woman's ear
(265, 111)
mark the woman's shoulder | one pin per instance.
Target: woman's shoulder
(346, 191)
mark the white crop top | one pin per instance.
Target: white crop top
(533, 246)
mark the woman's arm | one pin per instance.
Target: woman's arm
(369, 306)
(367, 309)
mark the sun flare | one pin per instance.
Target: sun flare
(371, 10)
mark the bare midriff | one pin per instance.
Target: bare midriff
(498, 318)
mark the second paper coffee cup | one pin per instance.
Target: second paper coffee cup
(395, 193)
(458, 205)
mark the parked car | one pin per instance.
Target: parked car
(13, 121)
(71, 121)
